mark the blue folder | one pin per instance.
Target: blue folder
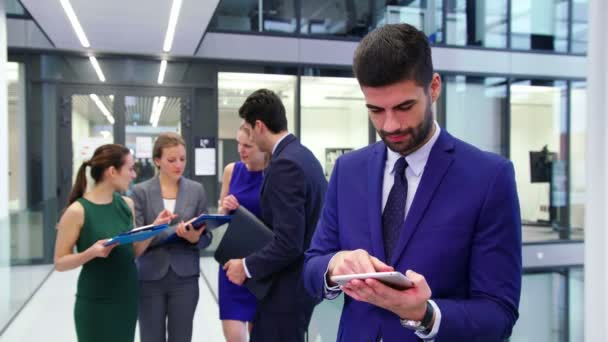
(209, 220)
(137, 234)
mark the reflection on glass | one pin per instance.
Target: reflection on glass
(146, 117)
(539, 25)
(537, 148)
(342, 18)
(424, 15)
(233, 89)
(578, 154)
(542, 309)
(477, 23)
(576, 300)
(92, 126)
(334, 118)
(476, 108)
(580, 24)
(255, 15)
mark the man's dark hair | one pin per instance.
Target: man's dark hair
(393, 53)
(266, 106)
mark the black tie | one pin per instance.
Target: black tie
(394, 210)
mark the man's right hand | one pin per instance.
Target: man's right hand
(351, 262)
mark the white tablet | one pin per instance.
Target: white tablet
(395, 280)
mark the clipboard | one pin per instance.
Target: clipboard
(137, 234)
(245, 235)
(210, 220)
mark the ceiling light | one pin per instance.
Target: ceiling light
(172, 24)
(157, 108)
(161, 72)
(69, 11)
(102, 108)
(97, 68)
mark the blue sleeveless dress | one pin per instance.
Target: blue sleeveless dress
(236, 302)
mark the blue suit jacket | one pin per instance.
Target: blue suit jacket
(291, 201)
(462, 232)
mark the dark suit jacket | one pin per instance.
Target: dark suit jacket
(462, 233)
(291, 201)
(182, 256)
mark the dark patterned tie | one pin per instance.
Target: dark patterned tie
(394, 210)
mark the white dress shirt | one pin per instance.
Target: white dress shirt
(413, 173)
(274, 148)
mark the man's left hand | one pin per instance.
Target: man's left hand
(407, 304)
(235, 271)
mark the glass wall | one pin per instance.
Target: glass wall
(539, 152)
(333, 117)
(548, 25)
(477, 23)
(476, 110)
(539, 25)
(578, 155)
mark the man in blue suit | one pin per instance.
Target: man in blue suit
(291, 200)
(420, 202)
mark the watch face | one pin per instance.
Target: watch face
(414, 325)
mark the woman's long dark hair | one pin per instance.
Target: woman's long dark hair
(105, 156)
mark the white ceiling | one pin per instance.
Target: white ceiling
(131, 26)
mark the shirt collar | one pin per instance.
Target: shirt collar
(274, 148)
(416, 161)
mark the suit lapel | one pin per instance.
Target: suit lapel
(181, 199)
(156, 197)
(439, 161)
(375, 175)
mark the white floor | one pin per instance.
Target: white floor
(48, 315)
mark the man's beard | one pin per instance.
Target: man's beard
(417, 135)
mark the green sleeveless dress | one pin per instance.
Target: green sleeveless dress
(106, 298)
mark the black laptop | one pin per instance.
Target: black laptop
(245, 235)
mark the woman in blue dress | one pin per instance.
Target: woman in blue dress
(241, 185)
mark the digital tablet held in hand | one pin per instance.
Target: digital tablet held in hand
(395, 280)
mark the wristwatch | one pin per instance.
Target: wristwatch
(422, 325)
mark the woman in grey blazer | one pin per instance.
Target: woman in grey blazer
(168, 273)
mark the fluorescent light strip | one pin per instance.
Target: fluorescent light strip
(157, 109)
(69, 11)
(102, 108)
(172, 24)
(97, 68)
(161, 72)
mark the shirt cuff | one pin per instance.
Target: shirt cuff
(330, 292)
(246, 269)
(431, 335)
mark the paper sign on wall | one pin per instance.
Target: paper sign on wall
(143, 147)
(204, 156)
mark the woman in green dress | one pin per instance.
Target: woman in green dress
(107, 292)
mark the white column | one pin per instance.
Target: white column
(4, 223)
(596, 218)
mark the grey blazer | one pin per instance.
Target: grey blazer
(182, 256)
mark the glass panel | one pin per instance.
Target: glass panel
(477, 23)
(476, 110)
(576, 301)
(580, 23)
(341, 18)
(92, 126)
(334, 117)
(539, 25)
(542, 309)
(21, 233)
(578, 156)
(538, 151)
(146, 118)
(13, 7)
(424, 15)
(238, 15)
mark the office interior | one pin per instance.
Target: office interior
(515, 82)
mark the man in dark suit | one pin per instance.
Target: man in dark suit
(291, 201)
(420, 202)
